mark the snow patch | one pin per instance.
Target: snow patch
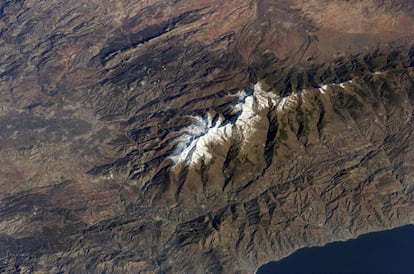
(193, 145)
(342, 85)
(323, 89)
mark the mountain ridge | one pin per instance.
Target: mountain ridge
(96, 97)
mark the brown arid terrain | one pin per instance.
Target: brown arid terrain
(195, 136)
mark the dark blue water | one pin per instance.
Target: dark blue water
(389, 251)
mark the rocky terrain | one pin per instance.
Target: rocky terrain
(194, 136)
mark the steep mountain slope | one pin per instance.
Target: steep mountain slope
(200, 136)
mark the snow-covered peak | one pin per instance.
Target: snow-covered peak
(197, 140)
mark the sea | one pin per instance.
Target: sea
(390, 251)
